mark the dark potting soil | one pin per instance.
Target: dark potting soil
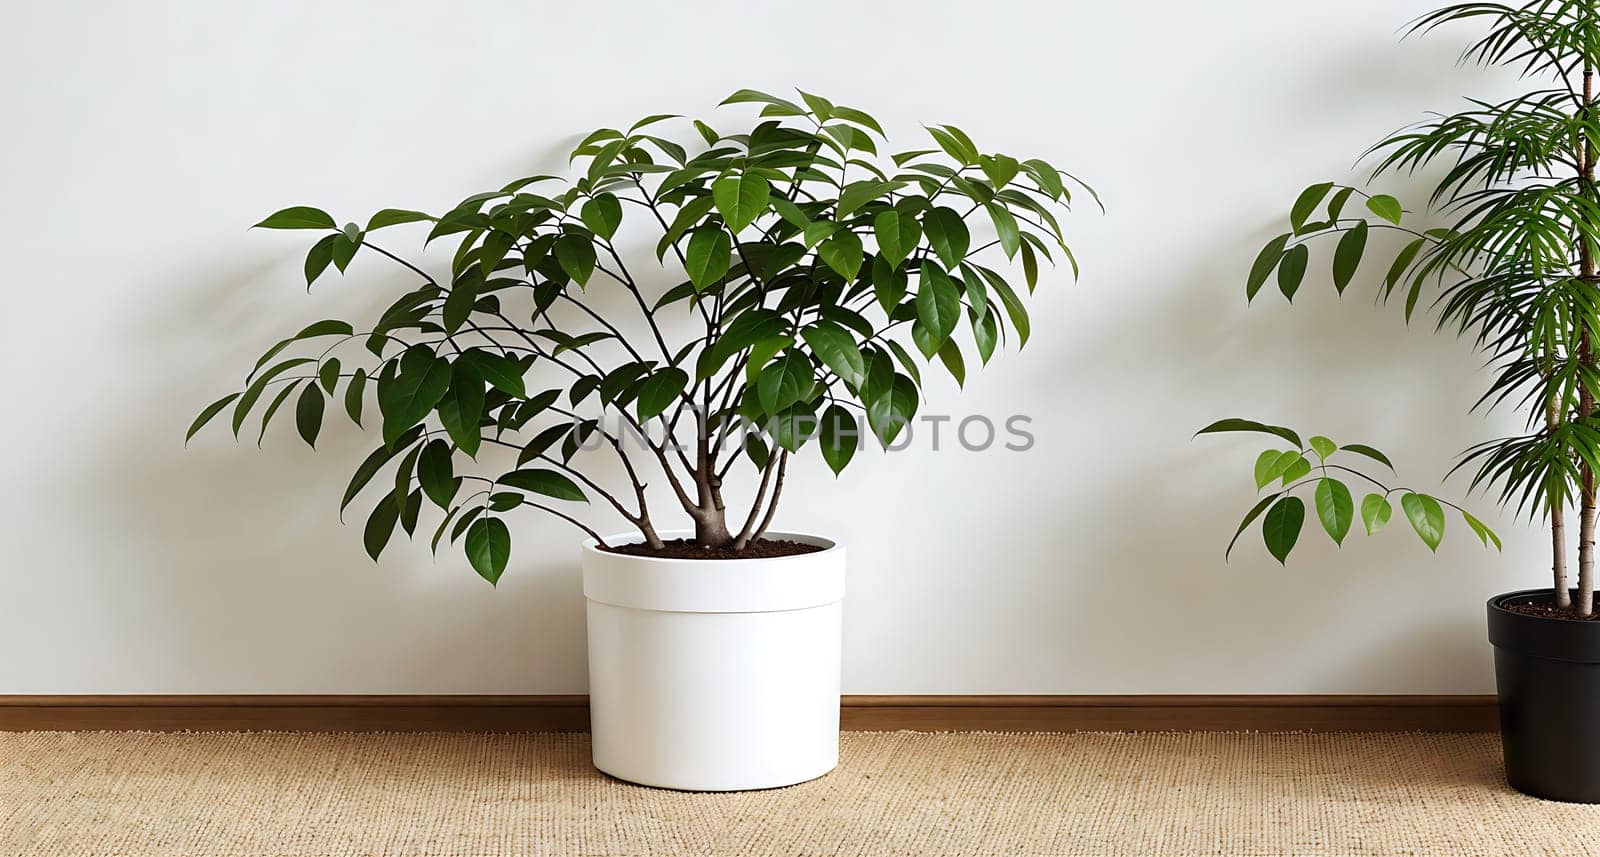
(687, 549)
(1546, 610)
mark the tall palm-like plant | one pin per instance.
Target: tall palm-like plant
(1515, 265)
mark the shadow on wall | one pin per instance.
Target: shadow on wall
(231, 551)
(1143, 530)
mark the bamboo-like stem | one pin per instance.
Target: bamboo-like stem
(1586, 264)
(1558, 530)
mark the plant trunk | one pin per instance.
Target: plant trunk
(1558, 530)
(711, 528)
(1586, 265)
(710, 515)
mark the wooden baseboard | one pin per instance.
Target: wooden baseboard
(870, 713)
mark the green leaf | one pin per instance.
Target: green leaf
(277, 402)
(1296, 467)
(489, 548)
(818, 230)
(308, 414)
(1402, 261)
(253, 394)
(355, 395)
(206, 415)
(1323, 447)
(1485, 534)
(947, 234)
(443, 526)
(546, 482)
(850, 114)
(461, 407)
(786, 381)
(395, 217)
(458, 305)
(843, 253)
(954, 143)
(1000, 169)
(888, 284)
(1271, 464)
(1375, 512)
(1005, 226)
(576, 257)
(542, 442)
(708, 256)
(1047, 177)
(1337, 203)
(838, 351)
(1014, 308)
(380, 525)
(1281, 528)
(317, 260)
(857, 194)
(938, 304)
(504, 501)
(1030, 267)
(298, 217)
(503, 372)
(1386, 207)
(891, 412)
(744, 96)
(1347, 256)
(402, 477)
(756, 449)
(1307, 203)
(1426, 517)
(1237, 425)
(436, 472)
(1335, 508)
(793, 427)
(985, 334)
(903, 357)
(408, 398)
(602, 214)
(1292, 270)
(762, 352)
(1363, 449)
(344, 249)
(950, 356)
(328, 375)
(689, 214)
(898, 234)
(741, 198)
(840, 435)
(373, 463)
(660, 390)
(1255, 512)
(821, 107)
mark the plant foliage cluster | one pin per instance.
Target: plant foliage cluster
(820, 280)
(1513, 267)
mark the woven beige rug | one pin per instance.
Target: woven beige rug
(65, 794)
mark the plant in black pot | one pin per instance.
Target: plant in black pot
(1510, 263)
(690, 302)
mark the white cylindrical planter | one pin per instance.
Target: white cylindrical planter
(714, 675)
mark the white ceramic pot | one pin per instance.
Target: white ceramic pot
(714, 675)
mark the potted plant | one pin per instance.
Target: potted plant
(805, 285)
(1513, 266)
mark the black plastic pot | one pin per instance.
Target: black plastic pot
(1547, 672)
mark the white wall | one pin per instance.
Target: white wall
(142, 139)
